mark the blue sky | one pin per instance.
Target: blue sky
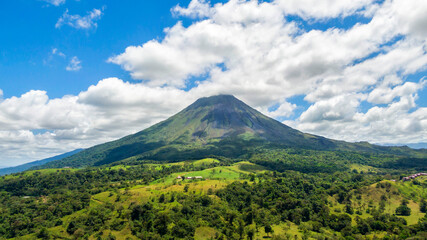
(78, 73)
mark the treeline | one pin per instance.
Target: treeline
(312, 161)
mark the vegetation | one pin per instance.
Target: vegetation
(233, 200)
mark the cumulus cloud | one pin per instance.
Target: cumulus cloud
(74, 65)
(393, 124)
(80, 22)
(157, 62)
(284, 109)
(384, 94)
(358, 82)
(341, 107)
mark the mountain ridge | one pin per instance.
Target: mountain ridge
(26, 166)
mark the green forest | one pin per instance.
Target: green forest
(277, 194)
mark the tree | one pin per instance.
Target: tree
(423, 206)
(341, 196)
(71, 227)
(268, 229)
(183, 229)
(403, 210)
(404, 202)
(252, 177)
(162, 198)
(161, 223)
(251, 232)
(43, 234)
(349, 208)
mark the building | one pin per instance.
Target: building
(413, 176)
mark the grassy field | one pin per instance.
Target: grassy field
(363, 168)
(371, 196)
(411, 190)
(36, 172)
(196, 163)
(212, 178)
(234, 172)
(205, 233)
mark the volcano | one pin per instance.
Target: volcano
(220, 125)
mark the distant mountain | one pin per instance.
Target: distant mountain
(220, 125)
(29, 165)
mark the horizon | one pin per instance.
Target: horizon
(96, 71)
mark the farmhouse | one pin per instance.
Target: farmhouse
(413, 176)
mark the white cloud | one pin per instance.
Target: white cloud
(285, 109)
(55, 51)
(196, 9)
(393, 124)
(106, 111)
(51, 57)
(411, 16)
(74, 65)
(322, 9)
(176, 58)
(341, 107)
(55, 2)
(383, 94)
(80, 22)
